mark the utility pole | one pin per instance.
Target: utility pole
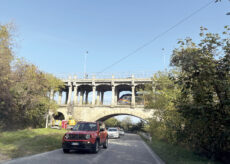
(85, 76)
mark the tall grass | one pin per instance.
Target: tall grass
(176, 154)
(29, 141)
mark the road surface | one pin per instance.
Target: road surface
(129, 149)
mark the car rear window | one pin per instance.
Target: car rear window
(85, 127)
(112, 130)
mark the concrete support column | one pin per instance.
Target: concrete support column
(94, 94)
(81, 97)
(118, 95)
(59, 97)
(75, 96)
(113, 95)
(66, 97)
(102, 97)
(86, 97)
(98, 97)
(51, 94)
(69, 95)
(133, 96)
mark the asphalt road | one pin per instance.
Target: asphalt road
(129, 149)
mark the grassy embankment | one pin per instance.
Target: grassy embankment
(175, 154)
(29, 141)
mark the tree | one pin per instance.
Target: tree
(166, 122)
(204, 101)
(138, 126)
(112, 122)
(228, 13)
(30, 93)
(24, 98)
(126, 123)
(6, 57)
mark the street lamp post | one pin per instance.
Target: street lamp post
(85, 65)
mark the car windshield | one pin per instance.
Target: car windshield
(112, 130)
(85, 127)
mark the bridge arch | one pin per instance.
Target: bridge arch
(58, 116)
(103, 87)
(103, 114)
(113, 115)
(85, 87)
(123, 87)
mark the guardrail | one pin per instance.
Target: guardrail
(147, 136)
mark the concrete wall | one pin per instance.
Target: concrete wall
(103, 113)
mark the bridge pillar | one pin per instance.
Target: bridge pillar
(118, 95)
(69, 94)
(94, 93)
(113, 96)
(98, 97)
(86, 97)
(51, 94)
(66, 97)
(102, 97)
(81, 97)
(75, 94)
(133, 96)
(59, 97)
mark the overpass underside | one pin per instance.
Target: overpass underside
(83, 99)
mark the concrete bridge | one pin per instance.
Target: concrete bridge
(84, 99)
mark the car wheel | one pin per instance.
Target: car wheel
(96, 147)
(66, 150)
(105, 145)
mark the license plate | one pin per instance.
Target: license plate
(75, 143)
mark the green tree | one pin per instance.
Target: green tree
(30, 93)
(138, 126)
(6, 57)
(24, 98)
(112, 122)
(166, 122)
(204, 101)
(126, 123)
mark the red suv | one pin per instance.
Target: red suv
(85, 136)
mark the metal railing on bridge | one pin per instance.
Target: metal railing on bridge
(118, 75)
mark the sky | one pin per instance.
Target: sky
(55, 34)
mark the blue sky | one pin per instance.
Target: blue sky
(55, 34)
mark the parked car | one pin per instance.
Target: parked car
(121, 132)
(113, 133)
(85, 136)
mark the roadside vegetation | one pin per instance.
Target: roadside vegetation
(24, 89)
(126, 123)
(192, 100)
(28, 142)
(176, 154)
